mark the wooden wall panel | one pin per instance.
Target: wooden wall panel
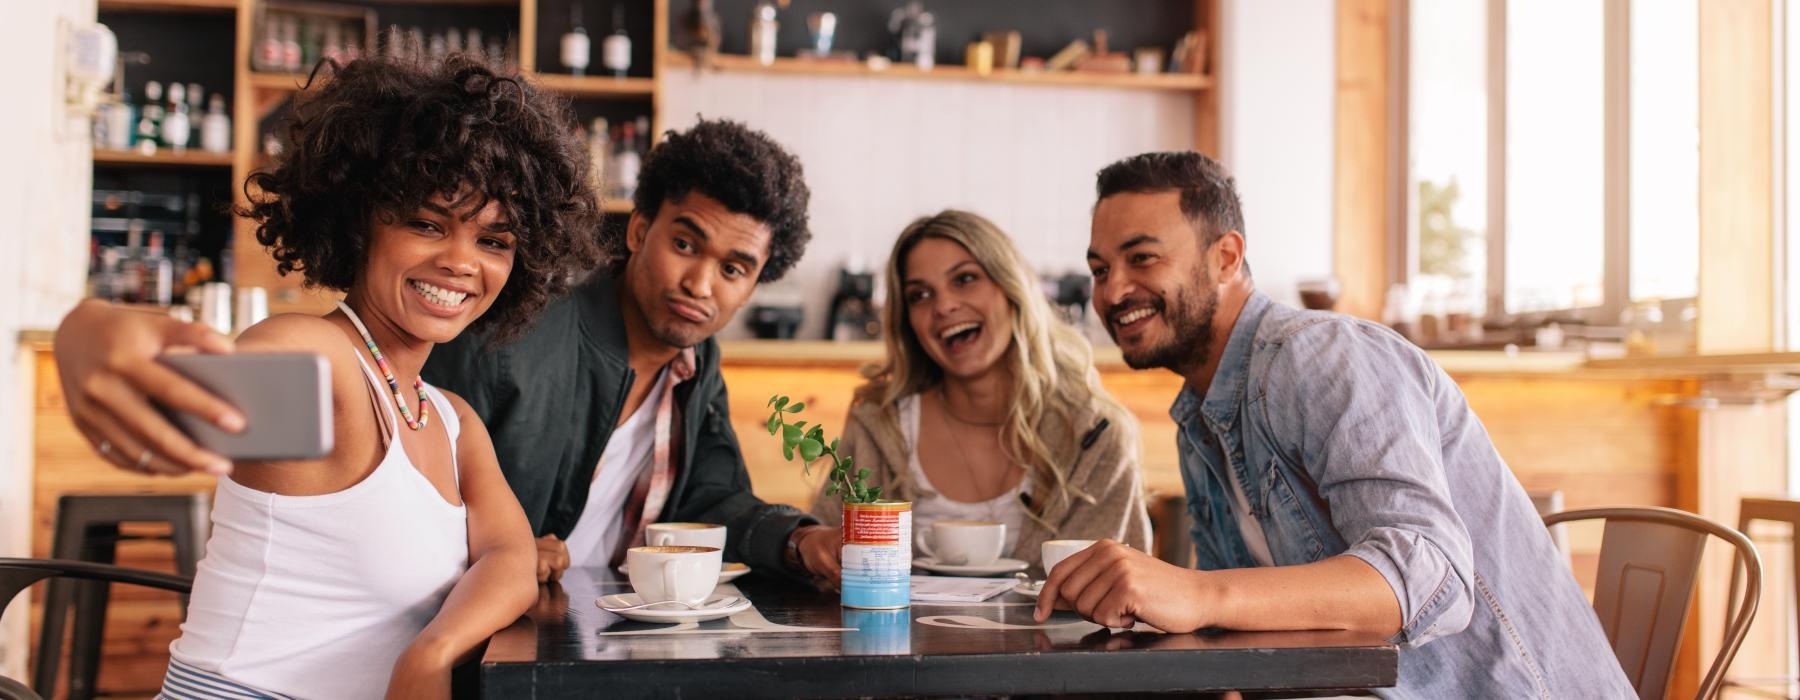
(1362, 182)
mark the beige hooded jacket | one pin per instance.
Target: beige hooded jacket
(1107, 472)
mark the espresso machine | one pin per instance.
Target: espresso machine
(854, 315)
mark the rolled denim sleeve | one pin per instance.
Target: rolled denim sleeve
(1355, 405)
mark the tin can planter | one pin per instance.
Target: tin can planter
(877, 556)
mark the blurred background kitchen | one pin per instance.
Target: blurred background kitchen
(1579, 206)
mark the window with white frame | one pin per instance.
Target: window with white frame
(1552, 154)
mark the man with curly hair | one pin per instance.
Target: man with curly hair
(609, 413)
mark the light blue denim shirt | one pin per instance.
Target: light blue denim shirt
(1350, 440)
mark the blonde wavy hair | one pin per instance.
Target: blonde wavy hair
(1051, 365)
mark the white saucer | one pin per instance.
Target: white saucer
(729, 572)
(1000, 566)
(1029, 589)
(668, 613)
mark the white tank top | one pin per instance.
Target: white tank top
(316, 596)
(927, 509)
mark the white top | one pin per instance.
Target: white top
(626, 455)
(933, 506)
(316, 596)
(1247, 523)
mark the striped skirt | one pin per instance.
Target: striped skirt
(184, 682)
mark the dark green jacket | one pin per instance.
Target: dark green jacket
(551, 398)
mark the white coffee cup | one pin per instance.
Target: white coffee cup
(963, 542)
(1055, 551)
(685, 535)
(686, 574)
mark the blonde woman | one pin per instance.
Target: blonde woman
(988, 406)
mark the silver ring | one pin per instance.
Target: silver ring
(105, 448)
(143, 461)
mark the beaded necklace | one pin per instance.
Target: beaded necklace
(399, 398)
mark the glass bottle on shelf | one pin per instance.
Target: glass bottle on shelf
(599, 146)
(439, 46)
(196, 100)
(334, 43)
(129, 285)
(215, 128)
(157, 273)
(269, 52)
(627, 163)
(576, 49)
(615, 52)
(149, 126)
(763, 30)
(175, 125)
(290, 46)
(121, 121)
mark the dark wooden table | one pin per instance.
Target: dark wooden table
(569, 647)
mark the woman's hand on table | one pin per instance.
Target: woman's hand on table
(106, 356)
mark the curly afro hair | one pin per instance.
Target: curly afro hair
(380, 136)
(743, 169)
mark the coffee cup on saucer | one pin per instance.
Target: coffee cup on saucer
(674, 572)
(1055, 551)
(963, 542)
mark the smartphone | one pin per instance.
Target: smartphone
(285, 399)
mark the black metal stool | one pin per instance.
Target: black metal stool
(87, 529)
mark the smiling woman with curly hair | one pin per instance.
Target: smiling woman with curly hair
(380, 138)
(438, 197)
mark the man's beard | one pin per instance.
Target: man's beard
(1189, 317)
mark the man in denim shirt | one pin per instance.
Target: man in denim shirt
(1336, 476)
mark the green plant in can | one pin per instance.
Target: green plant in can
(808, 442)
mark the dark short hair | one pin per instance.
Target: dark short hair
(380, 137)
(1209, 195)
(743, 169)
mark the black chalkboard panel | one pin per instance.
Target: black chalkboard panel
(1044, 26)
(183, 47)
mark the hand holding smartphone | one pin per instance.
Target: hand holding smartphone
(285, 399)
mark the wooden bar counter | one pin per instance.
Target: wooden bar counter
(1603, 433)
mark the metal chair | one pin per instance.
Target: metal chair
(1169, 523)
(16, 575)
(1649, 560)
(87, 529)
(1779, 510)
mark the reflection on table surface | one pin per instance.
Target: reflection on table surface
(788, 620)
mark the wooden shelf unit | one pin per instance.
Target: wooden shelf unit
(1181, 82)
(168, 5)
(192, 158)
(259, 93)
(280, 82)
(595, 86)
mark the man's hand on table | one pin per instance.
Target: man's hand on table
(106, 356)
(1117, 586)
(819, 547)
(552, 559)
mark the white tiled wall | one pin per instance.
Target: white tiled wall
(879, 153)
